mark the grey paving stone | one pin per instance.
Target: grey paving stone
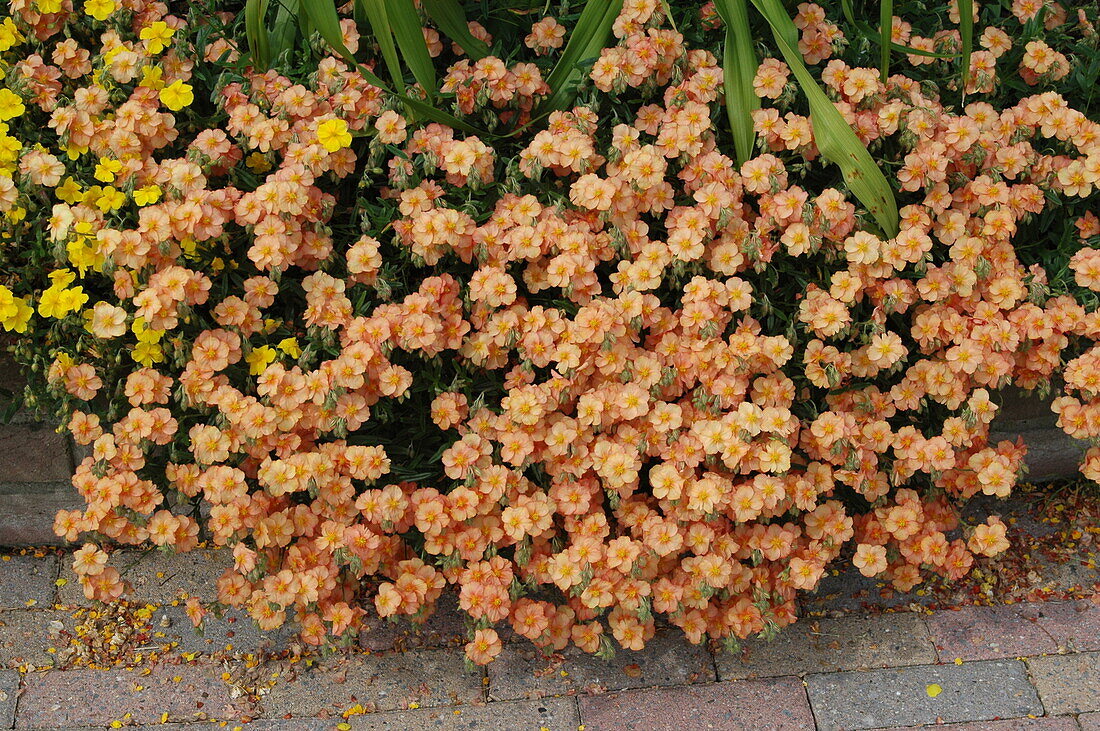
(546, 713)
(27, 580)
(975, 691)
(259, 724)
(776, 704)
(443, 628)
(33, 453)
(987, 633)
(844, 643)
(521, 671)
(845, 590)
(427, 678)
(28, 509)
(234, 633)
(9, 689)
(26, 636)
(1074, 626)
(158, 576)
(60, 698)
(1044, 723)
(1067, 683)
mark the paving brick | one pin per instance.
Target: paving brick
(61, 698)
(1074, 626)
(234, 633)
(33, 453)
(1044, 723)
(776, 704)
(27, 580)
(547, 713)
(1067, 683)
(27, 511)
(843, 591)
(1089, 721)
(428, 678)
(9, 689)
(158, 576)
(521, 671)
(443, 628)
(260, 724)
(975, 691)
(27, 635)
(987, 633)
(845, 643)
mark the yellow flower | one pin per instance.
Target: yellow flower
(83, 255)
(151, 77)
(107, 169)
(99, 9)
(177, 95)
(16, 214)
(290, 347)
(73, 151)
(9, 152)
(258, 162)
(111, 199)
(61, 278)
(9, 34)
(156, 36)
(15, 313)
(259, 359)
(333, 134)
(58, 301)
(48, 6)
(144, 333)
(11, 106)
(69, 191)
(147, 353)
(147, 196)
(22, 317)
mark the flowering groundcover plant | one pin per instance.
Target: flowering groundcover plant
(582, 366)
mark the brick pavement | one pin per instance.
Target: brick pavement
(1023, 666)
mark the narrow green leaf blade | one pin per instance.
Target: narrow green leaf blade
(451, 19)
(255, 12)
(379, 21)
(966, 30)
(285, 29)
(408, 30)
(836, 140)
(886, 36)
(588, 38)
(739, 66)
(588, 25)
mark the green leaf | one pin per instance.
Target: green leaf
(877, 37)
(586, 41)
(885, 29)
(451, 19)
(378, 18)
(285, 29)
(409, 32)
(739, 66)
(322, 15)
(256, 33)
(966, 30)
(836, 140)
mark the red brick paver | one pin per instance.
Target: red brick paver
(987, 633)
(775, 703)
(98, 697)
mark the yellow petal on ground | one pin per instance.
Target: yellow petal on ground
(933, 690)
